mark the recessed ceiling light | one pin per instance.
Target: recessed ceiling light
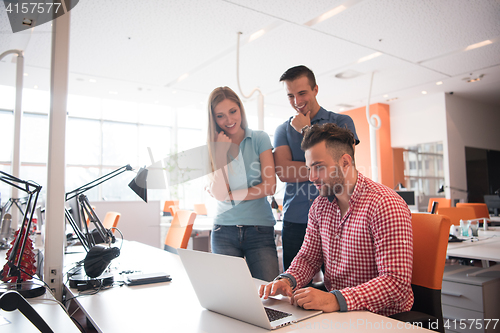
(478, 45)
(439, 83)
(326, 15)
(385, 96)
(92, 80)
(113, 92)
(424, 92)
(369, 57)
(174, 92)
(256, 35)
(25, 74)
(36, 87)
(469, 80)
(392, 99)
(182, 77)
(348, 74)
(342, 109)
(79, 79)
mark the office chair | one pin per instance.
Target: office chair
(173, 209)
(480, 209)
(180, 230)
(430, 242)
(111, 220)
(200, 209)
(442, 202)
(166, 206)
(456, 214)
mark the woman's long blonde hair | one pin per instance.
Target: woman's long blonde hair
(216, 96)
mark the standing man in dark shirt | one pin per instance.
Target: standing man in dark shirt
(301, 88)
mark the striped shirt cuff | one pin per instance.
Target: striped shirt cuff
(340, 300)
(292, 279)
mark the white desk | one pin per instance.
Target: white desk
(55, 316)
(487, 246)
(173, 306)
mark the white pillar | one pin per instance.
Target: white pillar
(260, 111)
(54, 227)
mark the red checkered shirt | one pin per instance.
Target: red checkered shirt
(368, 253)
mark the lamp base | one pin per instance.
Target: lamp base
(83, 282)
(28, 289)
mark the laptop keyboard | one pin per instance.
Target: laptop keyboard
(275, 314)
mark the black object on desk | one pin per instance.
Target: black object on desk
(11, 300)
(138, 279)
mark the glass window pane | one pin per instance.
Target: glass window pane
(78, 176)
(83, 141)
(155, 114)
(189, 138)
(155, 137)
(34, 138)
(120, 144)
(119, 110)
(7, 97)
(36, 101)
(191, 118)
(6, 135)
(84, 107)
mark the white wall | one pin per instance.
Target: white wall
(455, 121)
(418, 120)
(470, 124)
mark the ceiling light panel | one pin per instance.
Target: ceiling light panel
(470, 61)
(430, 27)
(296, 11)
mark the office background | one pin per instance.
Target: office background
(140, 74)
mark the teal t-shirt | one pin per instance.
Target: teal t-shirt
(244, 172)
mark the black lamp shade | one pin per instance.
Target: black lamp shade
(139, 184)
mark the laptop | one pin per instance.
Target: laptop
(223, 284)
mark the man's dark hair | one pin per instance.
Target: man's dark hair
(338, 140)
(297, 72)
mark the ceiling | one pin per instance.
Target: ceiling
(174, 52)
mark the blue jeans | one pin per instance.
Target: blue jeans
(292, 237)
(254, 243)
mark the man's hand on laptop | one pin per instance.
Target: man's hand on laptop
(315, 299)
(278, 287)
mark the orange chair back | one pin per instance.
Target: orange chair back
(168, 203)
(442, 203)
(456, 214)
(200, 209)
(430, 242)
(180, 230)
(173, 209)
(480, 209)
(111, 220)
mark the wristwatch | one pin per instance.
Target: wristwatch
(281, 277)
(305, 128)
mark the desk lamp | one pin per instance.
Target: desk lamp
(17, 270)
(442, 187)
(11, 300)
(98, 257)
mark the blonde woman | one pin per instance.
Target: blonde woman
(243, 176)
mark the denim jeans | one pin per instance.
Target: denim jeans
(254, 243)
(292, 236)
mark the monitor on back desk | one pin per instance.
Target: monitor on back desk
(493, 203)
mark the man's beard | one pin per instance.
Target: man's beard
(334, 187)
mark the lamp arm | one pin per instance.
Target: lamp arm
(85, 206)
(96, 182)
(11, 300)
(76, 229)
(32, 189)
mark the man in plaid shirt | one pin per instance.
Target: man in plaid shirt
(360, 230)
